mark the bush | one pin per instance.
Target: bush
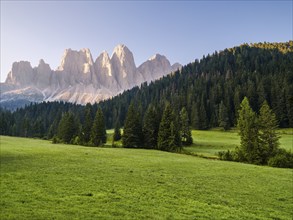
(55, 140)
(76, 140)
(226, 155)
(283, 159)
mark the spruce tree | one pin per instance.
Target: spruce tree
(168, 135)
(67, 128)
(186, 136)
(203, 119)
(132, 132)
(249, 135)
(194, 116)
(117, 132)
(150, 127)
(87, 126)
(223, 117)
(269, 139)
(98, 132)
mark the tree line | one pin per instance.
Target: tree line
(166, 132)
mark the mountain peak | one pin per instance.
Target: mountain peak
(157, 57)
(79, 79)
(121, 51)
(75, 58)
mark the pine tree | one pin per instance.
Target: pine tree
(223, 117)
(168, 135)
(68, 128)
(132, 133)
(186, 137)
(98, 132)
(87, 126)
(249, 135)
(150, 127)
(194, 116)
(203, 119)
(269, 139)
(117, 132)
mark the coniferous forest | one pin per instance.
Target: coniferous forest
(206, 93)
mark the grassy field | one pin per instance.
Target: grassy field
(40, 180)
(209, 143)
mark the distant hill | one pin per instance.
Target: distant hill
(261, 71)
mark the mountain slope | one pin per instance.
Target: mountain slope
(79, 79)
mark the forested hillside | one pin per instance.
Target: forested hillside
(211, 90)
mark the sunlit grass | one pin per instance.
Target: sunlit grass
(40, 180)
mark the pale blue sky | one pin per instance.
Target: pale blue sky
(181, 30)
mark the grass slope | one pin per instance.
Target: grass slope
(40, 180)
(209, 143)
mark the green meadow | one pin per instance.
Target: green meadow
(209, 143)
(40, 180)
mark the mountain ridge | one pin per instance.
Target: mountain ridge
(81, 79)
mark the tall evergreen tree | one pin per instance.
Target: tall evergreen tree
(186, 136)
(194, 116)
(203, 119)
(87, 126)
(249, 135)
(223, 117)
(269, 138)
(98, 132)
(150, 127)
(68, 128)
(169, 135)
(117, 132)
(132, 132)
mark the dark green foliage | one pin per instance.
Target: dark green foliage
(68, 128)
(150, 127)
(194, 116)
(132, 133)
(248, 130)
(168, 135)
(282, 158)
(98, 132)
(259, 140)
(85, 135)
(186, 137)
(226, 155)
(117, 132)
(223, 117)
(269, 139)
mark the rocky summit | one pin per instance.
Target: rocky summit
(79, 79)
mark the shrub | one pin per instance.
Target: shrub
(283, 159)
(55, 140)
(226, 155)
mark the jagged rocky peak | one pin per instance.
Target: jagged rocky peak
(78, 79)
(157, 57)
(43, 74)
(21, 73)
(122, 52)
(155, 67)
(124, 67)
(103, 62)
(76, 61)
(104, 72)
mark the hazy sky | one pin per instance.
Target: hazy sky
(180, 30)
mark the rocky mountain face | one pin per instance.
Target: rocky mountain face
(79, 79)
